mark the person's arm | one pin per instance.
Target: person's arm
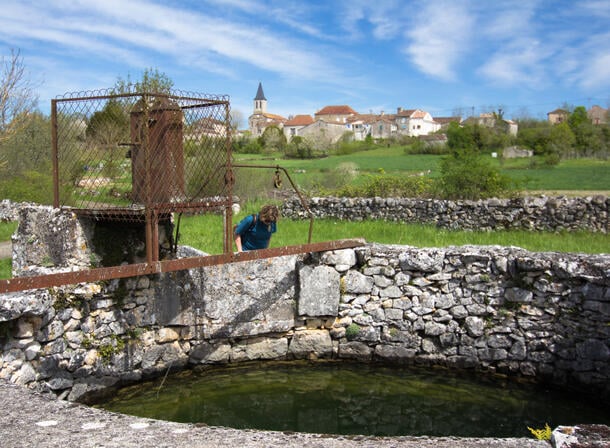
(238, 242)
(243, 226)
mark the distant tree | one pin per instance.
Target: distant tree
(236, 119)
(110, 125)
(273, 139)
(561, 140)
(588, 139)
(152, 81)
(299, 147)
(27, 174)
(458, 138)
(17, 99)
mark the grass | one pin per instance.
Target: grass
(5, 268)
(6, 230)
(572, 174)
(195, 231)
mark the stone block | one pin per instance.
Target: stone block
(311, 344)
(319, 292)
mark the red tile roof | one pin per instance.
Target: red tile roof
(299, 120)
(336, 110)
(447, 120)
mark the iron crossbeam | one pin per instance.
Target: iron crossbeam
(158, 267)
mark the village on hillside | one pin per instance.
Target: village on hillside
(335, 120)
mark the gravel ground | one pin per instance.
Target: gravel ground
(30, 419)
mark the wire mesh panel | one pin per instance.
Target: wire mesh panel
(121, 156)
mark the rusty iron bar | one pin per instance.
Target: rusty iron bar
(294, 187)
(54, 153)
(134, 270)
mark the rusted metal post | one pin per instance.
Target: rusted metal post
(54, 153)
(229, 183)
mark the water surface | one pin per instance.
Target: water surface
(340, 398)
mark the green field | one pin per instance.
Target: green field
(569, 175)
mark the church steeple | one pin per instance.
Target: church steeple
(260, 102)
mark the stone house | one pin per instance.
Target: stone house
(415, 122)
(293, 126)
(598, 115)
(323, 131)
(558, 116)
(205, 128)
(445, 121)
(491, 120)
(335, 114)
(383, 127)
(359, 125)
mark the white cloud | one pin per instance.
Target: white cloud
(507, 21)
(516, 64)
(439, 38)
(599, 8)
(181, 35)
(597, 75)
(384, 16)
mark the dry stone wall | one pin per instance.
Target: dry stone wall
(528, 213)
(544, 316)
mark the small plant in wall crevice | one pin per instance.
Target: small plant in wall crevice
(351, 332)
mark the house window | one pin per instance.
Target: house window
(293, 131)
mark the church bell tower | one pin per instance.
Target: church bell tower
(260, 102)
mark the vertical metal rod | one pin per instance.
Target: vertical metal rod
(155, 236)
(229, 182)
(54, 153)
(149, 237)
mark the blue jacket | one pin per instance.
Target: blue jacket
(255, 236)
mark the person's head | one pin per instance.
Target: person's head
(269, 214)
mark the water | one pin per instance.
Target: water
(339, 398)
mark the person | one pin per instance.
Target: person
(254, 231)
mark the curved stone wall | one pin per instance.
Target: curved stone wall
(528, 213)
(543, 316)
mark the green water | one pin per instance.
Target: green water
(339, 398)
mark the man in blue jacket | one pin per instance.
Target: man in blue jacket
(254, 231)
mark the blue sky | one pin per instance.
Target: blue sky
(527, 57)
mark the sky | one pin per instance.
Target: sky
(447, 57)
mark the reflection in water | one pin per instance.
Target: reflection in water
(339, 398)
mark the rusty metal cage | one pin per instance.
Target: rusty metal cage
(126, 156)
(142, 156)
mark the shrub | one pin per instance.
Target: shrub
(468, 175)
(384, 185)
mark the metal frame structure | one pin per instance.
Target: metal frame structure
(141, 157)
